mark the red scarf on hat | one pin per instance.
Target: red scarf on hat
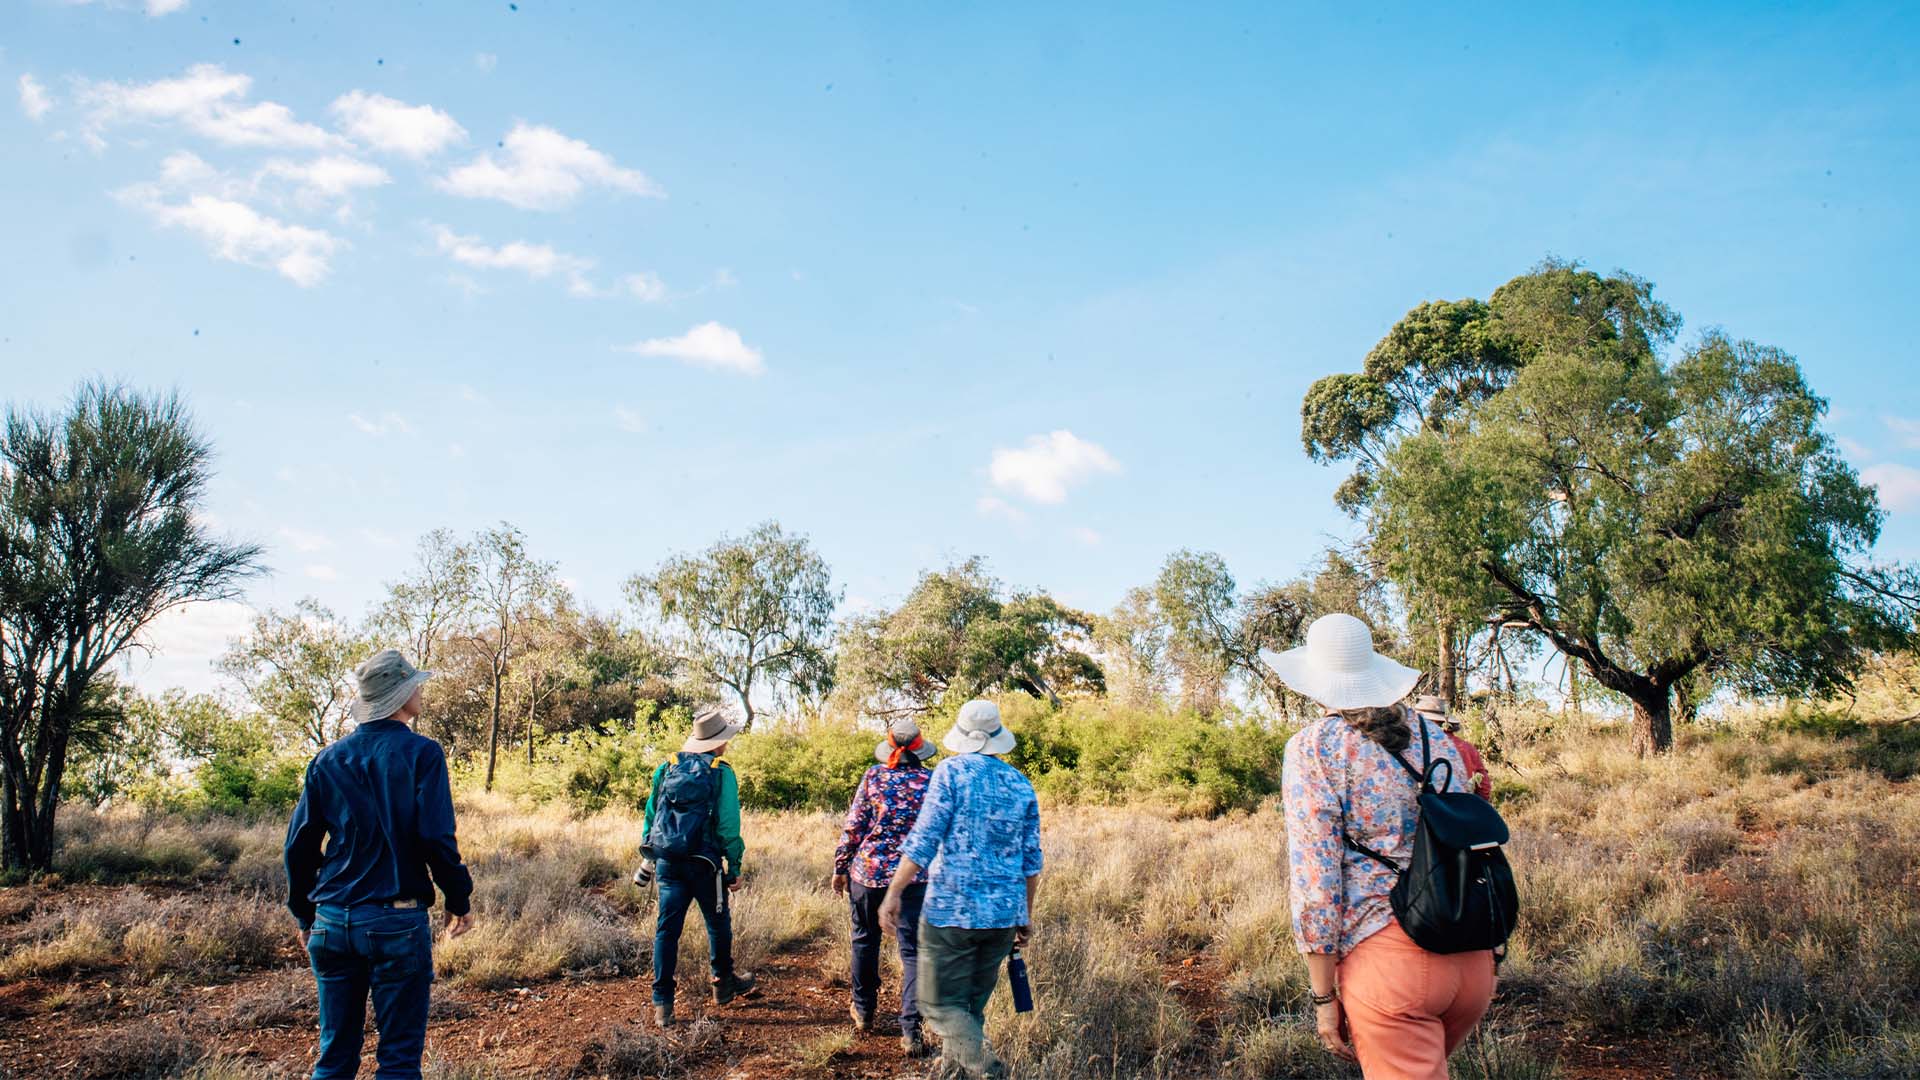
(914, 747)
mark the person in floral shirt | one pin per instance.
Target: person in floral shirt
(883, 812)
(1378, 997)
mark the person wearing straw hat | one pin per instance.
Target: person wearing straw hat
(978, 836)
(1434, 708)
(1378, 997)
(382, 795)
(692, 836)
(883, 812)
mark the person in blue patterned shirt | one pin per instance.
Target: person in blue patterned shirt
(883, 812)
(979, 838)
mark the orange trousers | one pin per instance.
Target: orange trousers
(1409, 1009)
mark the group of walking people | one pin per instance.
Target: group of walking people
(943, 855)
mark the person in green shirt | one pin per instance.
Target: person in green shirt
(693, 847)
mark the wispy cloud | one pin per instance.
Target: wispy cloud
(629, 420)
(542, 169)
(209, 101)
(34, 101)
(305, 542)
(1048, 465)
(645, 287)
(1087, 536)
(709, 345)
(485, 61)
(390, 423)
(1899, 484)
(395, 127)
(1905, 429)
(994, 506)
(236, 232)
(537, 261)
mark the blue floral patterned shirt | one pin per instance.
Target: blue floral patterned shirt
(882, 814)
(1337, 780)
(979, 832)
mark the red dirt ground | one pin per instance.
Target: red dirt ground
(49, 1028)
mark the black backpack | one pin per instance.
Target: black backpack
(683, 810)
(1456, 892)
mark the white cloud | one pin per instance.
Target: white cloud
(209, 101)
(303, 541)
(1048, 465)
(543, 170)
(182, 645)
(1905, 429)
(1087, 536)
(327, 178)
(1899, 484)
(33, 98)
(485, 61)
(157, 8)
(395, 127)
(709, 345)
(1853, 448)
(646, 287)
(994, 506)
(629, 420)
(321, 572)
(537, 261)
(236, 232)
(385, 424)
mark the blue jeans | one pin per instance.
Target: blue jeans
(388, 952)
(869, 939)
(684, 883)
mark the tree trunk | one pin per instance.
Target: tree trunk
(493, 730)
(1449, 678)
(1652, 722)
(530, 702)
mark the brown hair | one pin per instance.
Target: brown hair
(1386, 725)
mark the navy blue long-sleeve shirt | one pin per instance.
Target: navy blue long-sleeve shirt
(382, 799)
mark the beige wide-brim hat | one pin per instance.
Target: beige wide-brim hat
(382, 684)
(711, 728)
(978, 730)
(904, 734)
(1338, 668)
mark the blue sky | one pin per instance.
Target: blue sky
(1044, 286)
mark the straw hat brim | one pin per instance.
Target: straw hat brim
(977, 742)
(387, 704)
(883, 752)
(701, 746)
(1381, 683)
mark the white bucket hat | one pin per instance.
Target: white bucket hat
(903, 736)
(1338, 668)
(978, 730)
(382, 684)
(712, 726)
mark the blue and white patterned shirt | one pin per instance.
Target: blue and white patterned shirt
(979, 831)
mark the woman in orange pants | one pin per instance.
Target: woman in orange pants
(1378, 997)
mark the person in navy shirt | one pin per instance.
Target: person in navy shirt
(380, 800)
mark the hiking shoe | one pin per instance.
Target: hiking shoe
(862, 1021)
(915, 1047)
(663, 1016)
(733, 986)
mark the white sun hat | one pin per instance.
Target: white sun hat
(1338, 668)
(978, 730)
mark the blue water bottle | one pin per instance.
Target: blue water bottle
(1017, 978)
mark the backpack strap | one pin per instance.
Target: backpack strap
(1422, 776)
(1371, 854)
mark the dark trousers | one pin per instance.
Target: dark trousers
(869, 938)
(357, 951)
(684, 883)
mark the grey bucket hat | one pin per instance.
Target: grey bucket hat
(383, 682)
(904, 734)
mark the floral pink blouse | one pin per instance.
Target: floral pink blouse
(1335, 778)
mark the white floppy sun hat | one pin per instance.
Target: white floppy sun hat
(978, 730)
(1338, 668)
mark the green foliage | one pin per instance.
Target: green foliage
(757, 608)
(814, 768)
(297, 669)
(588, 769)
(956, 637)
